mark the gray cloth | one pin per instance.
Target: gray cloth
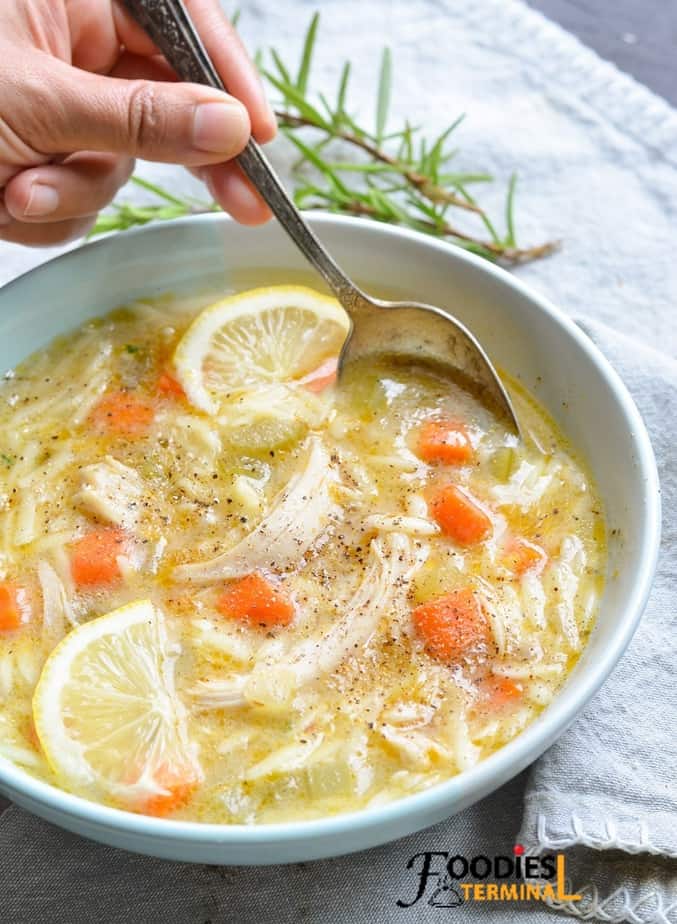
(606, 791)
(596, 155)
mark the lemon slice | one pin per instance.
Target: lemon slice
(260, 337)
(108, 716)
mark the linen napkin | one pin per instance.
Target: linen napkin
(606, 792)
(597, 158)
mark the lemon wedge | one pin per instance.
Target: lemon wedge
(108, 716)
(256, 338)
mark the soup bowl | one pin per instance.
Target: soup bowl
(523, 333)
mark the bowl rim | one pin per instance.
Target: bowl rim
(495, 770)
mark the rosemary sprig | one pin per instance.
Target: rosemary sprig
(399, 177)
(124, 215)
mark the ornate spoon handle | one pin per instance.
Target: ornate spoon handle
(168, 24)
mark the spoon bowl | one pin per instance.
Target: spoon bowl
(425, 335)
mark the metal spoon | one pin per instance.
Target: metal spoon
(420, 333)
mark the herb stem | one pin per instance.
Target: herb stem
(422, 183)
(497, 252)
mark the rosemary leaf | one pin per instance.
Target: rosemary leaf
(342, 91)
(486, 221)
(510, 212)
(436, 157)
(157, 190)
(279, 64)
(311, 155)
(307, 55)
(383, 95)
(297, 100)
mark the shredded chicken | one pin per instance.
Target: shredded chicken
(298, 516)
(527, 485)
(395, 558)
(56, 607)
(111, 491)
(219, 694)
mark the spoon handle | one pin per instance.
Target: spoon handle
(168, 24)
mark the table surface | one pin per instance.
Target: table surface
(640, 36)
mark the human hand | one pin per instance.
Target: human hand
(83, 91)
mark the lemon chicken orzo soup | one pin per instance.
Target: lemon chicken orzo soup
(231, 591)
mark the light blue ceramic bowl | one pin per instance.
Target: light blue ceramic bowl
(522, 332)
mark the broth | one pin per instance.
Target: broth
(426, 583)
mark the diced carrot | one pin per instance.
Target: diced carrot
(444, 441)
(254, 599)
(179, 785)
(322, 377)
(498, 692)
(460, 515)
(122, 412)
(169, 386)
(521, 556)
(94, 558)
(451, 626)
(14, 610)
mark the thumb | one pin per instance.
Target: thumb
(67, 110)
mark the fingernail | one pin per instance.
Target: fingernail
(42, 200)
(219, 127)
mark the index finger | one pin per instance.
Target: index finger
(234, 65)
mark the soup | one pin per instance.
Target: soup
(233, 592)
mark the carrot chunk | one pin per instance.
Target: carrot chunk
(521, 556)
(322, 377)
(451, 626)
(94, 558)
(167, 385)
(499, 692)
(14, 611)
(179, 785)
(254, 599)
(444, 441)
(123, 413)
(460, 515)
